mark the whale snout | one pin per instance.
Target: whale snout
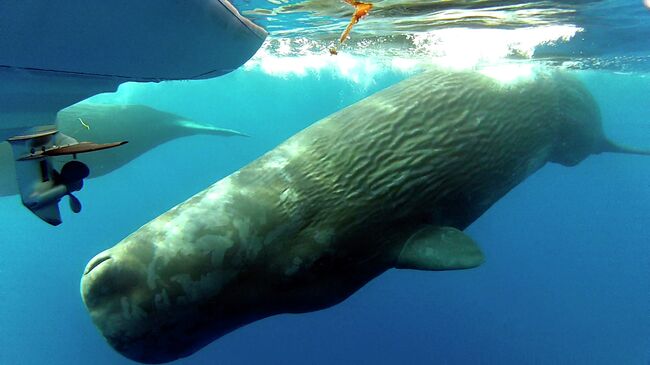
(105, 281)
(96, 261)
(98, 280)
(115, 292)
(142, 303)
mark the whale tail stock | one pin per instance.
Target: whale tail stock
(200, 128)
(609, 146)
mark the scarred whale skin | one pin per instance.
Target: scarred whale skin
(390, 181)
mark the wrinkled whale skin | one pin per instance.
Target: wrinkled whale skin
(313, 220)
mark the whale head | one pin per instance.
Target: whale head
(183, 279)
(151, 308)
(115, 291)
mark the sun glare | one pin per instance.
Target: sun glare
(458, 48)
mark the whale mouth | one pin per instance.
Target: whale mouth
(96, 262)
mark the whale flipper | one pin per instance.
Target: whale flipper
(439, 248)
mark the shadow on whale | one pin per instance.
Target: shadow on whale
(389, 182)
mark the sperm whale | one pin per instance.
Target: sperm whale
(389, 182)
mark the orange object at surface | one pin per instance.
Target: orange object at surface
(360, 11)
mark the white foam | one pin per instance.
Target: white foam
(458, 48)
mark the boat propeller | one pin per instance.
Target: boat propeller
(41, 186)
(71, 176)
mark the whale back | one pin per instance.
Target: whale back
(457, 141)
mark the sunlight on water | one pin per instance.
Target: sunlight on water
(466, 48)
(354, 68)
(509, 73)
(458, 48)
(324, 19)
(609, 30)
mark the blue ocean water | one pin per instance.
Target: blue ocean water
(565, 281)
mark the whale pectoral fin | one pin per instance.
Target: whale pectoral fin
(439, 248)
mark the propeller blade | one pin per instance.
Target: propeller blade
(72, 175)
(73, 171)
(75, 204)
